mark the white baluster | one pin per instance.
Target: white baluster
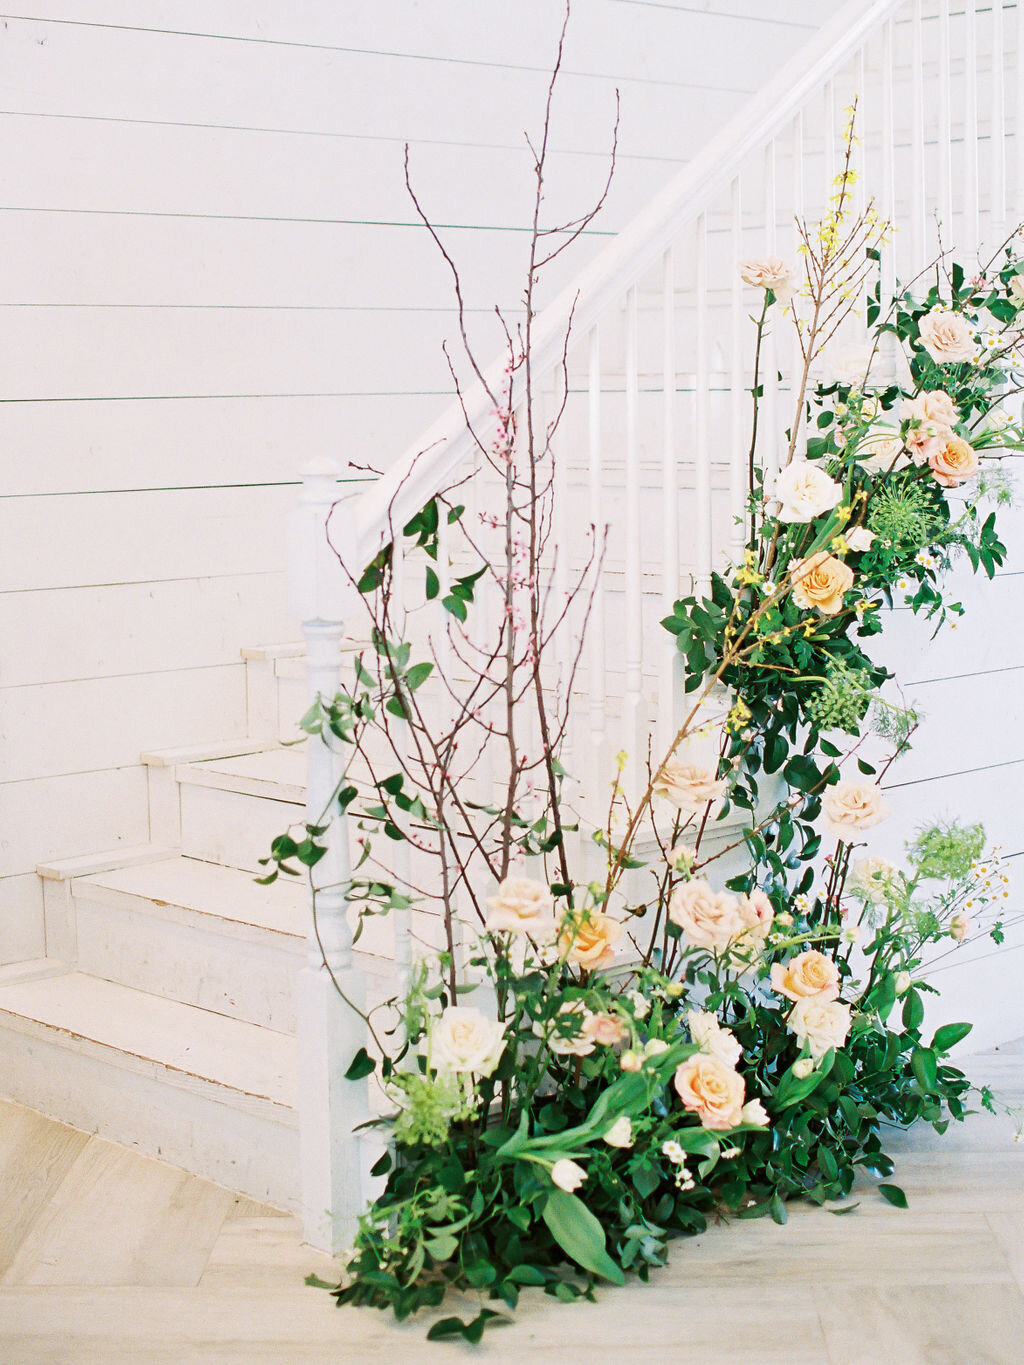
(330, 1030)
(1018, 116)
(596, 684)
(740, 417)
(918, 201)
(401, 854)
(669, 680)
(945, 135)
(701, 452)
(997, 122)
(633, 727)
(971, 187)
(889, 269)
(768, 426)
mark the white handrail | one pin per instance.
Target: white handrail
(425, 469)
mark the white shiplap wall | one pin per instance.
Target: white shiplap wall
(211, 274)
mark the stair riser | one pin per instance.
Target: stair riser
(237, 970)
(162, 1114)
(232, 828)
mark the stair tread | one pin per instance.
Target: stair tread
(241, 1057)
(213, 889)
(280, 773)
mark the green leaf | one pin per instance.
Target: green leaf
(894, 1195)
(925, 1069)
(471, 1331)
(913, 1010)
(362, 1064)
(580, 1235)
(315, 1282)
(949, 1035)
(417, 675)
(527, 1274)
(778, 1208)
(847, 1208)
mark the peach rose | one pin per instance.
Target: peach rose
(770, 272)
(819, 1024)
(820, 582)
(523, 906)
(688, 785)
(923, 439)
(934, 405)
(948, 338)
(810, 974)
(589, 938)
(954, 462)
(711, 1090)
(708, 918)
(606, 1029)
(852, 806)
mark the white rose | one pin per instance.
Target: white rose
(620, 1134)
(903, 982)
(464, 1039)
(819, 1024)
(881, 450)
(523, 906)
(689, 785)
(753, 1112)
(770, 272)
(712, 1038)
(960, 926)
(849, 807)
(948, 338)
(805, 491)
(860, 538)
(803, 1067)
(567, 1175)
(1016, 288)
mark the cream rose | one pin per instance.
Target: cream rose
(1016, 288)
(566, 1034)
(568, 1175)
(708, 918)
(754, 1113)
(954, 462)
(934, 405)
(464, 1039)
(923, 439)
(819, 1024)
(869, 878)
(589, 939)
(620, 1134)
(523, 906)
(809, 974)
(770, 272)
(860, 539)
(711, 1090)
(820, 581)
(850, 806)
(606, 1029)
(712, 1039)
(802, 1068)
(881, 450)
(948, 338)
(805, 491)
(688, 785)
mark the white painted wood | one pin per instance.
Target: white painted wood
(22, 930)
(210, 1094)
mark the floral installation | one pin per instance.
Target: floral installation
(730, 1011)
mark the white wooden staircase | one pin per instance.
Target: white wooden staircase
(165, 1013)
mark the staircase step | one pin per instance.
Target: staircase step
(208, 936)
(213, 1095)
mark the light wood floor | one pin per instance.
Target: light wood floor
(107, 1257)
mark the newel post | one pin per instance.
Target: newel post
(330, 1031)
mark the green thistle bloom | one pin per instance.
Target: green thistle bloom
(842, 701)
(905, 516)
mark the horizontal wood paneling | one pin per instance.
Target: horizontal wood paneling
(22, 936)
(70, 633)
(59, 817)
(94, 723)
(110, 538)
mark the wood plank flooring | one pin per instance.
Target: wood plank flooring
(107, 1257)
